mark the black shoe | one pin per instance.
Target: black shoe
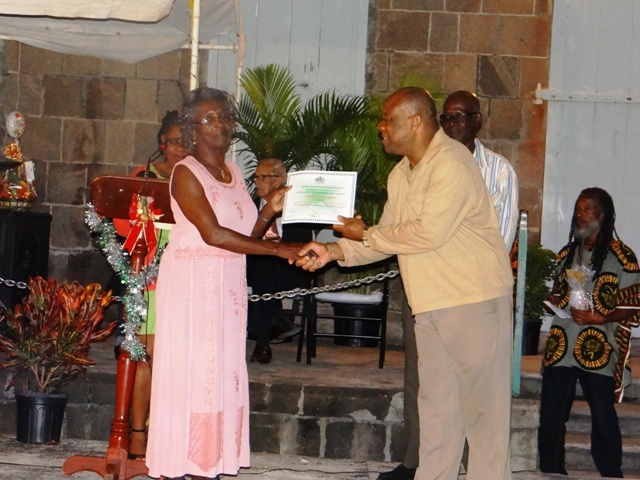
(399, 473)
(261, 354)
(285, 330)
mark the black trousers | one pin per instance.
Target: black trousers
(558, 393)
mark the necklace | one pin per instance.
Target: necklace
(222, 174)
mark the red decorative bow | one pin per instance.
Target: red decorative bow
(142, 214)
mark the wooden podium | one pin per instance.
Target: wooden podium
(111, 197)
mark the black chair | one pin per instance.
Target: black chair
(357, 322)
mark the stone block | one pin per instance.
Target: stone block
(171, 95)
(161, 67)
(524, 449)
(430, 65)
(532, 72)
(419, 5)
(82, 141)
(81, 65)
(398, 442)
(444, 34)
(68, 229)
(88, 421)
(543, 7)
(66, 183)
(118, 147)
(339, 439)
(506, 118)
(285, 399)
(498, 76)
(39, 61)
(258, 396)
(140, 100)
(524, 413)
(517, 7)
(78, 390)
(145, 141)
(117, 69)
(463, 6)
(11, 55)
(460, 72)
(371, 404)
(394, 27)
(8, 417)
(524, 36)
(64, 96)
(368, 442)
(31, 94)
(41, 139)
(301, 436)
(97, 169)
(88, 266)
(379, 72)
(264, 432)
(478, 33)
(105, 98)
(9, 94)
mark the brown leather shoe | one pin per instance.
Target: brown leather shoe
(261, 354)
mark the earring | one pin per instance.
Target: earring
(194, 142)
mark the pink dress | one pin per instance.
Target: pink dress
(199, 420)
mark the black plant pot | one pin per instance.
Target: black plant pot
(356, 327)
(39, 418)
(530, 336)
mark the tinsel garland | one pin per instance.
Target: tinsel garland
(133, 301)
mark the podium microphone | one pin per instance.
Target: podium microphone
(147, 173)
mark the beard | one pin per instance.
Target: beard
(586, 232)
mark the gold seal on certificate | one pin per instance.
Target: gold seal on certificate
(319, 196)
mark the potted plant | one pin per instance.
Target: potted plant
(46, 340)
(541, 266)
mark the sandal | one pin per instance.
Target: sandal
(134, 455)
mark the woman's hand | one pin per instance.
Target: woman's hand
(289, 251)
(313, 256)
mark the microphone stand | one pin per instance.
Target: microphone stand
(147, 173)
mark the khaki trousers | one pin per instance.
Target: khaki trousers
(464, 365)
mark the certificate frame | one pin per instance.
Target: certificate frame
(318, 196)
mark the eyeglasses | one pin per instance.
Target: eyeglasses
(211, 120)
(455, 117)
(262, 178)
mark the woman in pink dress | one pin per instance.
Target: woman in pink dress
(199, 420)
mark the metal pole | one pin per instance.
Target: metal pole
(195, 34)
(519, 310)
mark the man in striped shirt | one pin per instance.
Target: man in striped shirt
(461, 119)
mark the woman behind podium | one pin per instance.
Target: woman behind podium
(199, 421)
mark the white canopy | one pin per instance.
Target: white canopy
(126, 30)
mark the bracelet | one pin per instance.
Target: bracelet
(365, 237)
(331, 247)
(260, 217)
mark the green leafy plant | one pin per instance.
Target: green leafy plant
(541, 266)
(46, 338)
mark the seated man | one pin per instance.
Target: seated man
(266, 321)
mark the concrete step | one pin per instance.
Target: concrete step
(628, 416)
(578, 456)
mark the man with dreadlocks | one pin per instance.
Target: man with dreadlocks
(590, 345)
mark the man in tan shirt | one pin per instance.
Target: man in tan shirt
(440, 222)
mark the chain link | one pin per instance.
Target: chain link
(299, 292)
(13, 283)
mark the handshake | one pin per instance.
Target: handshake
(315, 255)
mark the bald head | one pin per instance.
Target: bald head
(420, 101)
(461, 118)
(270, 175)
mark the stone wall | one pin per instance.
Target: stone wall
(85, 117)
(498, 49)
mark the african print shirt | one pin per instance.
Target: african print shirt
(602, 349)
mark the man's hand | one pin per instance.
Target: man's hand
(350, 228)
(587, 317)
(313, 256)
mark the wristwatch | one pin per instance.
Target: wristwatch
(365, 237)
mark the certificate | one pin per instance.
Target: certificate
(319, 196)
